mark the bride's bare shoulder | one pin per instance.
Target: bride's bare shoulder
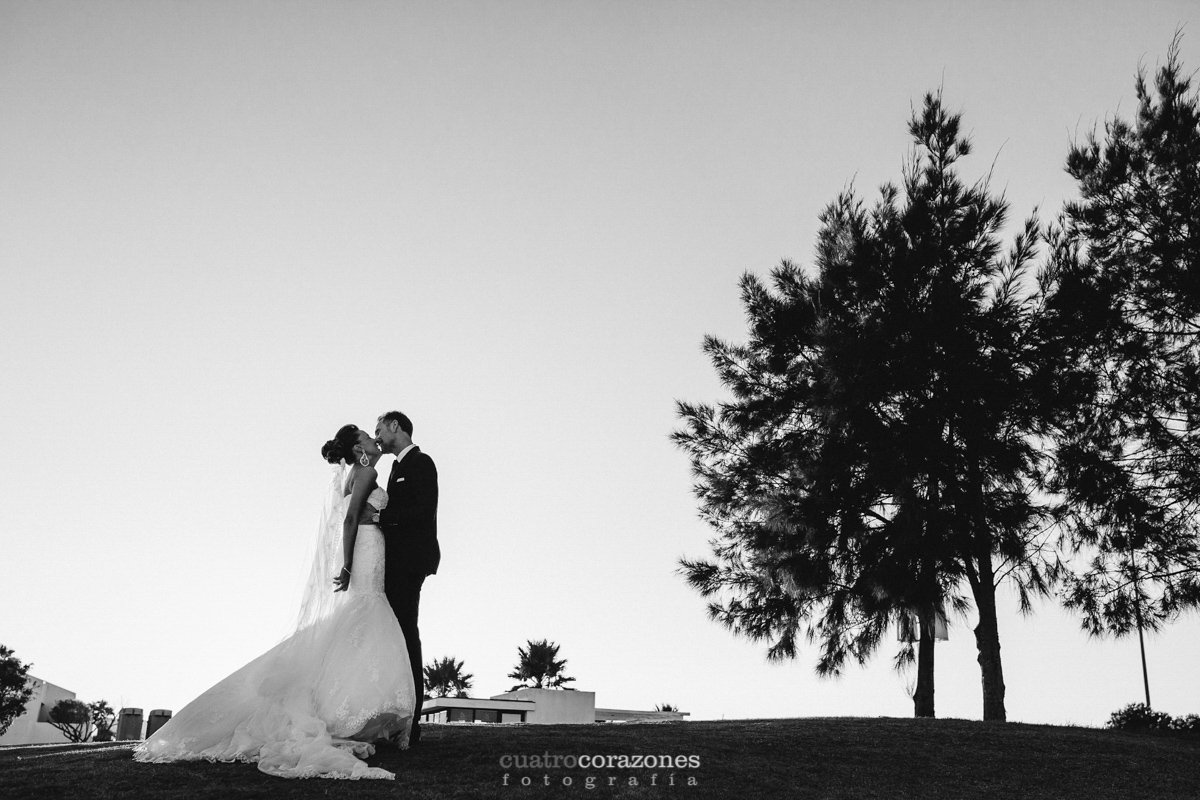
(362, 477)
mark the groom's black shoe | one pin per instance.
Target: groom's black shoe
(413, 738)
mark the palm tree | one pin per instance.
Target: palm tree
(539, 667)
(444, 677)
(104, 718)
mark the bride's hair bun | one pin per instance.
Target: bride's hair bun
(341, 447)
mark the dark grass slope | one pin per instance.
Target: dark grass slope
(794, 758)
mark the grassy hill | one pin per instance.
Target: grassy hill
(887, 759)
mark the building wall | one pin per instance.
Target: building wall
(27, 729)
(555, 706)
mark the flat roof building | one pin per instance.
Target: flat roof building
(33, 727)
(537, 707)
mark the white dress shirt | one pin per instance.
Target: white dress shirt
(382, 475)
(404, 452)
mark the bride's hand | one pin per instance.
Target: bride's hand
(341, 581)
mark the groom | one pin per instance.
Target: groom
(409, 524)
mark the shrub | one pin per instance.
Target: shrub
(1190, 723)
(1139, 717)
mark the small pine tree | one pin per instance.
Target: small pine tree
(73, 718)
(15, 690)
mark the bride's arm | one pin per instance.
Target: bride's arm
(364, 482)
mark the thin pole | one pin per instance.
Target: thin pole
(1145, 675)
(1137, 610)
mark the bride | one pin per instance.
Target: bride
(312, 705)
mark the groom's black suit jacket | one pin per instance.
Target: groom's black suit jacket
(409, 522)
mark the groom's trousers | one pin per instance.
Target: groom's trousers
(404, 595)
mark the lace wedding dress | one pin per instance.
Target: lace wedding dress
(311, 705)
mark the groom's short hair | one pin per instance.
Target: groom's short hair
(396, 416)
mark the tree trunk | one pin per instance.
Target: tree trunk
(987, 632)
(923, 696)
(987, 642)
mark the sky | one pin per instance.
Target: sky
(230, 228)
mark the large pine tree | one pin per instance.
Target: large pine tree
(1129, 460)
(881, 447)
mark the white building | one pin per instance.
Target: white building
(537, 707)
(33, 727)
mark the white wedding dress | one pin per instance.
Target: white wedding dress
(311, 706)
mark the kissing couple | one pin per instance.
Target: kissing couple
(350, 674)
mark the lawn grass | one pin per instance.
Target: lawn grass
(878, 759)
